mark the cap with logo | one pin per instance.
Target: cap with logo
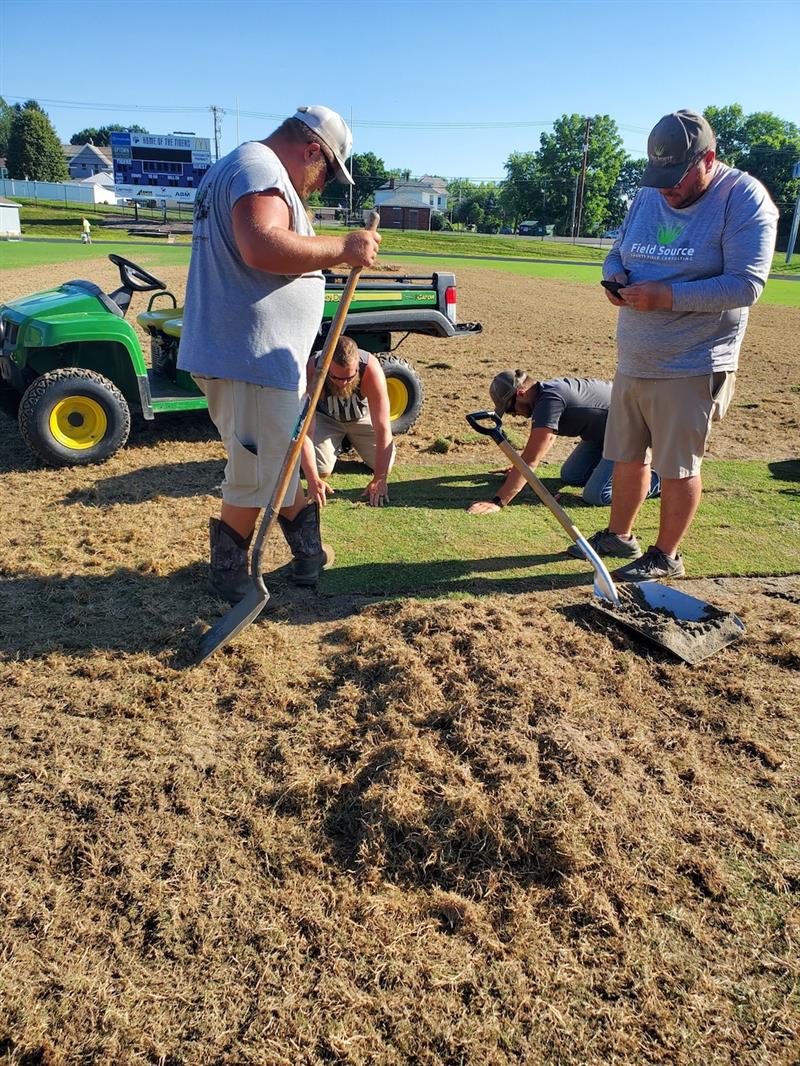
(676, 141)
(504, 385)
(333, 132)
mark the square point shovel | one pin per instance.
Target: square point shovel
(254, 602)
(686, 626)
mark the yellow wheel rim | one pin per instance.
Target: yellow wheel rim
(398, 397)
(78, 422)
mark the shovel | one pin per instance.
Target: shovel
(254, 602)
(686, 626)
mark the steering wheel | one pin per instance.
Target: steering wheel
(133, 277)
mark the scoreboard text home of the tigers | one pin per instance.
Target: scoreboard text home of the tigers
(163, 166)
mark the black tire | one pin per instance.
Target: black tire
(406, 393)
(74, 417)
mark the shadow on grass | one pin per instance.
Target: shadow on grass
(785, 470)
(181, 427)
(14, 454)
(132, 612)
(172, 480)
(446, 491)
(443, 577)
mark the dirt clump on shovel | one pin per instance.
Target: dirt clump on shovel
(690, 639)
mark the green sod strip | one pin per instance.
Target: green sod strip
(425, 543)
(16, 254)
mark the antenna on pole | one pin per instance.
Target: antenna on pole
(237, 120)
(217, 112)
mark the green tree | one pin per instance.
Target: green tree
(475, 204)
(764, 145)
(624, 190)
(101, 137)
(369, 173)
(34, 150)
(6, 118)
(559, 162)
(522, 194)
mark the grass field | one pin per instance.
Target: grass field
(57, 220)
(152, 253)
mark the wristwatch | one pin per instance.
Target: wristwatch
(497, 501)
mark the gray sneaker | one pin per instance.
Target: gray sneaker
(605, 543)
(653, 564)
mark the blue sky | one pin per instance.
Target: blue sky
(438, 87)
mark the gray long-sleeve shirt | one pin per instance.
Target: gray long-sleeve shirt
(716, 254)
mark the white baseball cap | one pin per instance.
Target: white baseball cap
(334, 133)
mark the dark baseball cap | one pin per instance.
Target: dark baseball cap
(676, 141)
(504, 385)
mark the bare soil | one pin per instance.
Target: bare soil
(492, 830)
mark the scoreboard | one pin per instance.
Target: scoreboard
(161, 166)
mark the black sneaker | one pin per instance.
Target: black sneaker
(652, 565)
(605, 543)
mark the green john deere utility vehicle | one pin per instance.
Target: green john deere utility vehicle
(79, 367)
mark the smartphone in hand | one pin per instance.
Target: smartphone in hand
(613, 287)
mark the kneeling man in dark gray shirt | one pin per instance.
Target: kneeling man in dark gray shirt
(564, 407)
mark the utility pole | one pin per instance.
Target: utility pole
(574, 204)
(217, 112)
(795, 219)
(350, 187)
(583, 175)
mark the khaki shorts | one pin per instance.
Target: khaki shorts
(669, 416)
(256, 426)
(328, 437)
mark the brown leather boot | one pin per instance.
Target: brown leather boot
(229, 573)
(305, 543)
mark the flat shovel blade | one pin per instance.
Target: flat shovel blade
(237, 619)
(686, 626)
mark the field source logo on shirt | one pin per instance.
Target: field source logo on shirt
(660, 249)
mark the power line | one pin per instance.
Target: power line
(411, 124)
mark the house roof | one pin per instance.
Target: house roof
(104, 179)
(404, 199)
(422, 183)
(73, 150)
(437, 183)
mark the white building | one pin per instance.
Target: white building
(9, 219)
(427, 191)
(86, 160)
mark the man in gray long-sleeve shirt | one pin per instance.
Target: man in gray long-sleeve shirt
(694, 253)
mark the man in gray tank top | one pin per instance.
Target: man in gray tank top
(254, 302)
(354, 404)
(693, 254)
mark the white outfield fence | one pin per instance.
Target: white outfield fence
(69, 192)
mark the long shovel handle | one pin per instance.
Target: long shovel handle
(490, 424)
(270, 516)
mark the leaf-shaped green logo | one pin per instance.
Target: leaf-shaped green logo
(668, 234)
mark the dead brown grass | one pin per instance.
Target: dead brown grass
(442, 832)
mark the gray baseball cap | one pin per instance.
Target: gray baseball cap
(504, 385)
(675, 142)
(333, 131)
